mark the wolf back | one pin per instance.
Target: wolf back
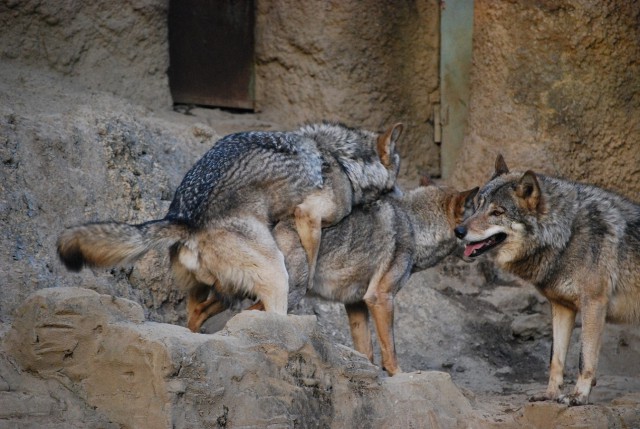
(222, 211)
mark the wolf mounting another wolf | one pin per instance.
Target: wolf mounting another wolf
(580, 247)
(218, 227)
(366, 258)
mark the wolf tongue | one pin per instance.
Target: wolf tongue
(470, 248)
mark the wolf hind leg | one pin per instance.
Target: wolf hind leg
(316, 211)
(272, 283)
(358, 314)
(258, 306)
(244, 259)
(202, 304)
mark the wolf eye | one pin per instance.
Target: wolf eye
(497, 212)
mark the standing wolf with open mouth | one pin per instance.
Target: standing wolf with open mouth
(578, 244)
(218, 227)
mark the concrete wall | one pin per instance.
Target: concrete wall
(118, 47)
(556, 87)
(366, 63)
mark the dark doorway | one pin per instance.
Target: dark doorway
(211, 52)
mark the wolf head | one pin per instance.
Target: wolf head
(506, 211)
(453, 205)
(434, 211)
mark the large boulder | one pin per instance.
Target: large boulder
(262, 370)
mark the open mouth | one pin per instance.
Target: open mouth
(477, 248)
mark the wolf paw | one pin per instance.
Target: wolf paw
(393, 370)
(541, 397)
(572, 399)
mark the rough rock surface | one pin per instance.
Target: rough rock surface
(113, 369)
(555, 86)
(118, 47)
(71, 156)
(262, 370)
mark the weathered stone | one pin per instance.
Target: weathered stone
(118, 47)
(365, 63)
(261, 370)
(531, 326)
(555, 88)
(513, 300)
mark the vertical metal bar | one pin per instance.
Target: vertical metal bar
(456, 36)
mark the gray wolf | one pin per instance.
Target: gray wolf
(366, 258)
(580, 247)
(218, 226)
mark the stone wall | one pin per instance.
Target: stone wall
(366, 63)
(119, 47)
(556, 87)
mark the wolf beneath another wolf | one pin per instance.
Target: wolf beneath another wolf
(218, 227)
(578, 244)
(366, 258)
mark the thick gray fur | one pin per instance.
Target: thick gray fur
(219, 223)
(237, 171)
(583, 222)
(398, 233)
(577, 243)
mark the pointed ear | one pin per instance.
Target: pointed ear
(462, 202)
(387, 143)
(425, 180)
(528, 190)
(500, 167)
(468, 196)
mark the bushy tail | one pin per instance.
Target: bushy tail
(111, 243)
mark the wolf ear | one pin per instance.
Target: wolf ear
(500, 167)
(469, 195)
(528, 190)
(463, 204)
(387, 143)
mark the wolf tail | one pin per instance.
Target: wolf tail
(111, 243)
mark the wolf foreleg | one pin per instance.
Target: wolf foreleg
(358, 314)
(563, 320)
(593, 321)
(382, 311)
(379, 300)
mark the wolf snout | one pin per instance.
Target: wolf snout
(460, 231)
